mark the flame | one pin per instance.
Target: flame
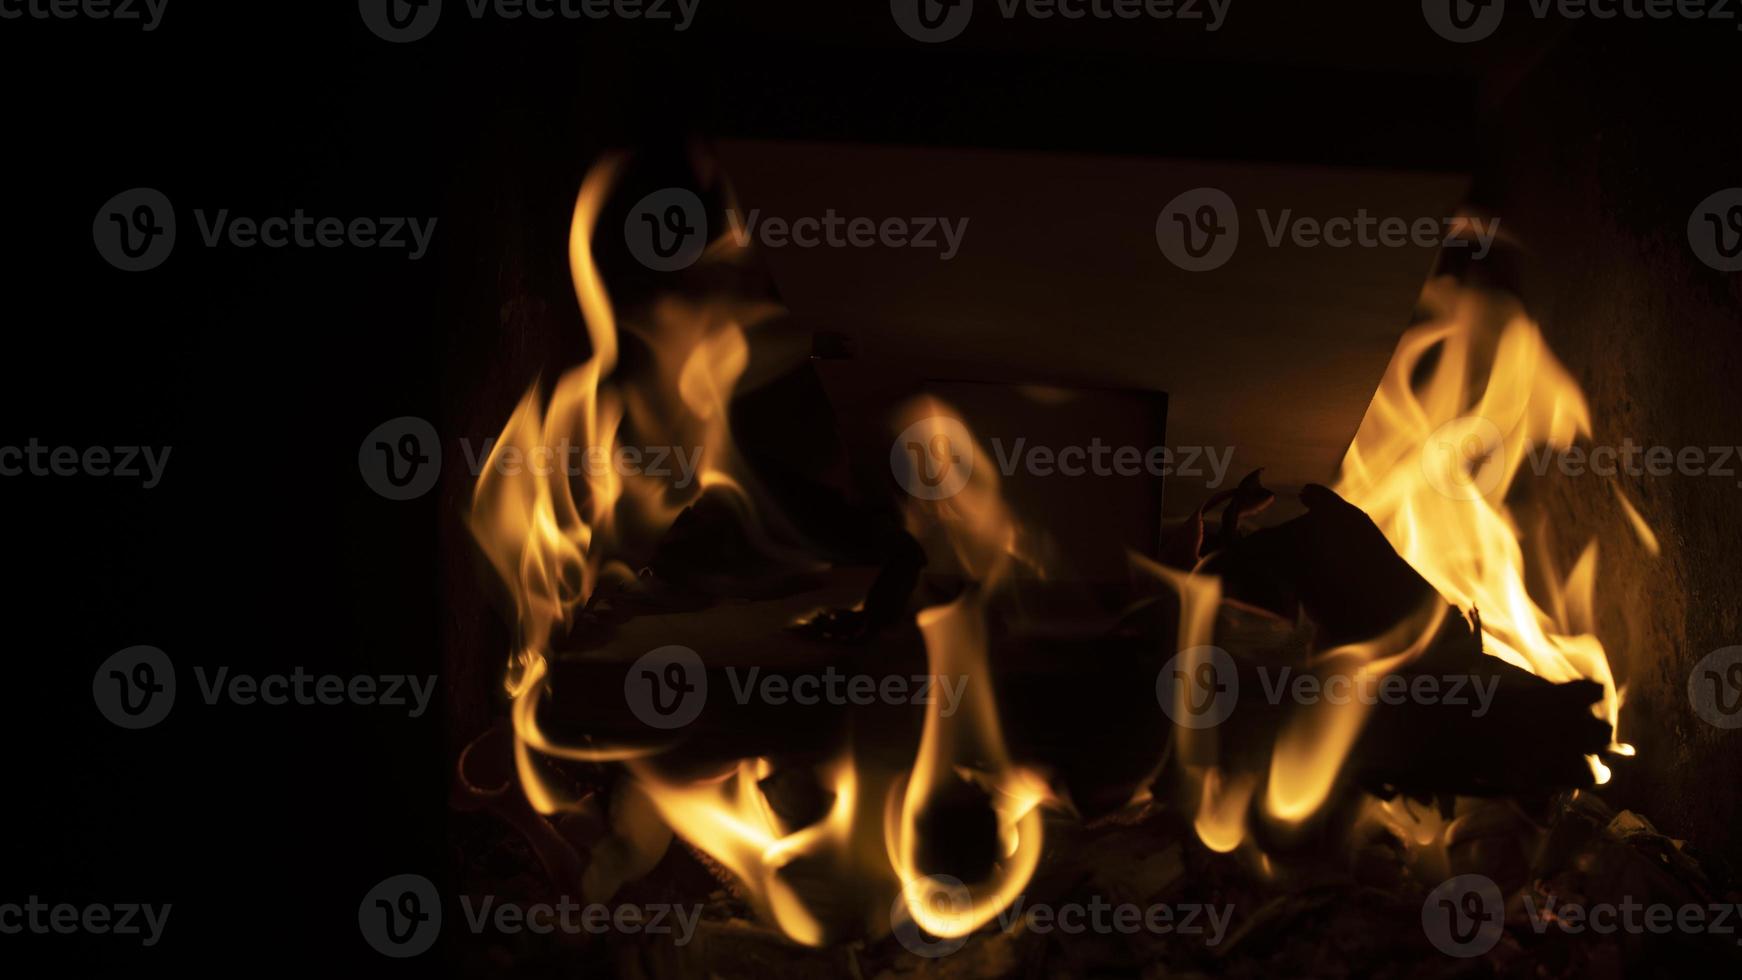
(553, 543)
(554, 540)
(1467, 396)
(1222, 797)
(732, 822)
(1317, 738)
(1431, 464)
(981, 533)
(955, 641)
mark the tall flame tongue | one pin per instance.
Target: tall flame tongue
(554, 546)
(529, 523)
(1468, 395)
(1432, 463)
(967, 747)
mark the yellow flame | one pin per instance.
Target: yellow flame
(1640, 528)
(1222, 805)
(1316, 738)
(980, 532)
(553, 546)
(731, 821)
(1222, 797)
(553, 542)
(955, 641)
(1466, 397)
(528, 521)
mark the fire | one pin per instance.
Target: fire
(1467, 396)
(1315, 741)
(1222, 798)
(955, 638)
(530, 525)
(732, 822)
(554, 542)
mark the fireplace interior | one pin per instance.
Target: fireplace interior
(1069, 781)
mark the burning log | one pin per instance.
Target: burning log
(1332, 563)
(1061, 692)
(815, 765)
(1335, 567)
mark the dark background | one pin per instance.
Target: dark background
(263, 550)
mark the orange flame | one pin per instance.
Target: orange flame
(553, 543)
(1435, 457)
(1316, 739)
(529, 523)
(982, 535)
(1467, 395)
(1431, 464)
